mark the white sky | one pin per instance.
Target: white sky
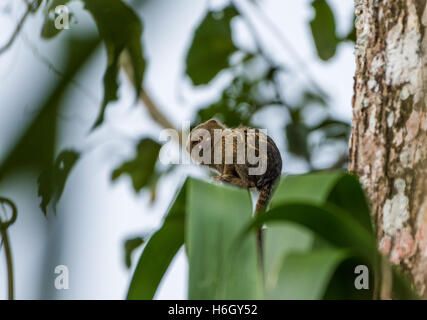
(95, 216)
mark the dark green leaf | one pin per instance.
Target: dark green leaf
(211, 47)
(130, 246)
(323, 30)
(159, 251)
(142, 168)
(121, 29)
(342, 284)
(319, 188)
(305, 275)
(329, 222)
(53, 178)
(297, 138)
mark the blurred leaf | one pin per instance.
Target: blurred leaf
(211, 47)
(52, 180)
(323, 30)
(48, 29)
(329, 222)
(305, 275)
(36, 147)
(310, 97)
(159, 251)
(130, 246)
(297, 137)
(313, 201)
(403, 289)
(351, 36)
(237, 105)
(335, 187)
(141, 168)
(121, 29)
(341, 285)
(333, 129)
(280, 239)
(216, 215)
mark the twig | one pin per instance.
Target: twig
(145, 98)
(31, 7)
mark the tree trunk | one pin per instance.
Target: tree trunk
(388, 147)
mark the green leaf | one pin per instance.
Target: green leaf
(211, 47)
(130, 246)
(333, 129)
(336, 187)
(121, 29)
(312, 188)
(48, 29)
(280, 239)
(297, 138)
(159, 251)
(329, 222)
(216, 215)
(142, 168)
(306, 275)
(323, 30)
(52, 180)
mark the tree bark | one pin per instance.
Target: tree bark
(388, 147)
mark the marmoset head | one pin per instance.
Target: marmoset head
(202, 137)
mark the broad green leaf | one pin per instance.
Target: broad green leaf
(313, 188)
(48, 29)
(336, 187)
(52, 180)
(216, 215)
(323, 30)
(305, 275)
(130, 246)
(334, 225)
(121, 29)
(280, 239)
(159, 251)
(342, 284)
(211, 46)
(141, 168)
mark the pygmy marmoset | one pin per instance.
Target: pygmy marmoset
(209, 143)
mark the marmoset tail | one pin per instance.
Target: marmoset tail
(243, 157)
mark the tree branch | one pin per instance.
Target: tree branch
(145, 98)
(31, 7)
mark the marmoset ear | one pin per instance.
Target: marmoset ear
(214, 123)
